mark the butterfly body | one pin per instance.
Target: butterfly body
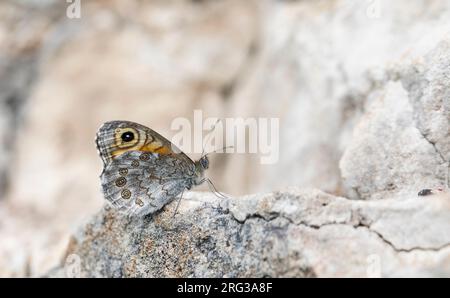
(142, 170)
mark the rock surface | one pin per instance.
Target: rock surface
(20, 55)
(294, 233)
(402, 142)
(360, 87)
(317, 66)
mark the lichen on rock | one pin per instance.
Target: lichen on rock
(294, 233)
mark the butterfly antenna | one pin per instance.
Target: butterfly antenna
(214, 190)
(223, 148)
(209, 136)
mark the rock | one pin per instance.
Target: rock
(323, 67)
(19, 69)
(149, 62)
(294, 233)
(151, 69)
(32, 243)
(402, 142)
(316, 65)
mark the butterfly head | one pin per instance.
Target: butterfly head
(204, 162)
(200, 166)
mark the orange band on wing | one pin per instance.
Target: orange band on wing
(156, 147)
(153, 147)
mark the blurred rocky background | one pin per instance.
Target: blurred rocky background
(361, 89)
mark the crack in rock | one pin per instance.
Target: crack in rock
(441, 155)
(359, 224)
(407, 250)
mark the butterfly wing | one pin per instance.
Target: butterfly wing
(141, 183)
(117, 137)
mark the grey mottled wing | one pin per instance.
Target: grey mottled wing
(141, 183)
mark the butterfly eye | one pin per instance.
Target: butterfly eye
(127, 136)
(204, 162)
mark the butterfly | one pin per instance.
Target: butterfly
(142, 170)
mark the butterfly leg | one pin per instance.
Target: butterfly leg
(178, 205)
(213, 189)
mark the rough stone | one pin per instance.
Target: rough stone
(402, 142)
(294, 233)
(316, 65)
